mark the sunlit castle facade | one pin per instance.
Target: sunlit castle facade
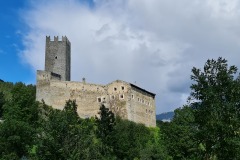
(55, 87)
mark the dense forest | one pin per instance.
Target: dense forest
(207, 127)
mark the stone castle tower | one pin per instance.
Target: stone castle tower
(54, 87)
(58, 57)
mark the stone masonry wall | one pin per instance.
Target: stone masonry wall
(58, 57)
(119, 96)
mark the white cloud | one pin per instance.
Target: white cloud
(152, 42)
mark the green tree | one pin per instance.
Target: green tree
(215, 94)
(131, 140)
(155, 148)
(65, 136)
(105, 127)
(105, 122)
(17, 132)
(179, 134)
(2, 102)
(56, 131)
(5, 88)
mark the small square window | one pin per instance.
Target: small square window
(115, 88)
(99, 100)
(132, 96)
(122, 87)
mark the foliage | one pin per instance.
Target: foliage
(2, 102)
(209, 127)
(154, 148)
(65, 136)
(135, 141)
(17, 131)
(105, 123)
(216, 93)
(5, 88)
(179, 134)
(105, 126)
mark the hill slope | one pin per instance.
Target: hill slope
(167, 116)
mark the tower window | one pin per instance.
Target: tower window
(99, 99)
(56, 57)
(115, 88)
(122, 87)
(121, 96)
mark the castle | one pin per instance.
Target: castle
(55, 88)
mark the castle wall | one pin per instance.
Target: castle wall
(56, 93)
(142, 107)
(136, 105)
(123, 99)
(118, 98)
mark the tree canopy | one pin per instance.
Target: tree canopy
(216, 92)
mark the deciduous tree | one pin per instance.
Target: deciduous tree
(216, 97)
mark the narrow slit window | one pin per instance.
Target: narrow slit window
(121, 96)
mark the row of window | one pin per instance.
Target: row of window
(102, 99)
(115, 88)
(143, 101)
(149, 112)
(121, 97)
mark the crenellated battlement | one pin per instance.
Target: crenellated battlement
(57, 39)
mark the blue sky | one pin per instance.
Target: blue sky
(11, 67)
(151, 43)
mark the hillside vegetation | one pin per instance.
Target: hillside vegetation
(207, 127)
